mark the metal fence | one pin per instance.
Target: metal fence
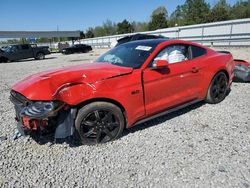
(226, 33)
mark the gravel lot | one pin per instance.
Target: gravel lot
(200, 146)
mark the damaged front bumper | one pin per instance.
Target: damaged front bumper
(43, 117)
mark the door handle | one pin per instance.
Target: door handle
(195, 70)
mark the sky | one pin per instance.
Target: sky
(64, 15)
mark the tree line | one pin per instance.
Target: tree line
(191, 12)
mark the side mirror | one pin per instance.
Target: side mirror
(160, 64)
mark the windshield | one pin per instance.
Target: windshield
(7, 48)
(128, 55)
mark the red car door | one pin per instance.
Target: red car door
(168, 87)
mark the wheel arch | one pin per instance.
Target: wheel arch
(220, 70)
(208, 98)
(210, 79)
(102, 99)
(40, 52)
(224, 71)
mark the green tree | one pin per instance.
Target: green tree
(109, 27)
(124, 27)
(99, 31)
(89, 33)
(220, 12)
(240, 10)
(195, 12)
(140, 26)
(12, 41)
(158, 19)
(43, 40)
(177, 18)
(160, 10)
(82, 35)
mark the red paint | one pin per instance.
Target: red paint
(161, 63)
(30, 124)
(141, 92)
(44, 85)
(26, 122)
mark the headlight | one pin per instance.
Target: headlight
(41, 109)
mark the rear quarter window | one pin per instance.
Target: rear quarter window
(198, 51)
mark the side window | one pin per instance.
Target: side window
(24, 47)
(173, 54)
(197, 51)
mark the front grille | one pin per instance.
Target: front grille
(18, 99)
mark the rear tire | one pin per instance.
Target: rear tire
(40, 56)
(218, 89)
(99, 122)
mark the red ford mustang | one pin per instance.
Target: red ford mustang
(127, 85)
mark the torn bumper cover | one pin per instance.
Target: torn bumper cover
(43, 117)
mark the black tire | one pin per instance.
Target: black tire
(40, 56)
(99, 122)
(218, 89)
(4, 60)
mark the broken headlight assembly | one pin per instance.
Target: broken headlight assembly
(42, 109)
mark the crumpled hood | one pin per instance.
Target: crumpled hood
(44, 85)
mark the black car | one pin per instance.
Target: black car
(78, 48)
(137, 37)
(23, 51)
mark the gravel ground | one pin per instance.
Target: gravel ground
(200, 146)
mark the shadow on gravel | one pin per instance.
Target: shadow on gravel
(32, 59)
(27, 60)
(162, 119)
(49, 139)
(74, 142)
(76, 60)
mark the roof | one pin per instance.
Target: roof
(139, 35)
(149, 42)
(38, 34)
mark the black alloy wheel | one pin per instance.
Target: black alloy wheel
(99, 122)
(218, 88)
(40, 56)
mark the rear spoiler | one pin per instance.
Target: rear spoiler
(236, 61)
(224, 52)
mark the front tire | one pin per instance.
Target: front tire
(40, 56)
(218, 89)
(99, 122)
(4, 60)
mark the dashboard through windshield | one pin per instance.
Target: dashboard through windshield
(128, 55)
